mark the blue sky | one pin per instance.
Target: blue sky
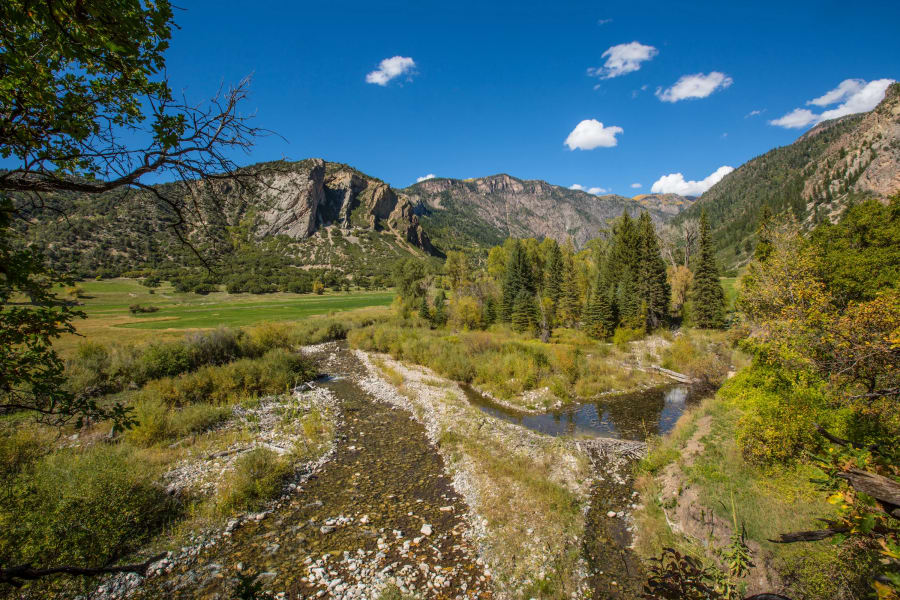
(499, 87)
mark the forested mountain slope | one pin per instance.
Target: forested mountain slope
(834, 164)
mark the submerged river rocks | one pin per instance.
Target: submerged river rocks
(380, 513)
(551, 514)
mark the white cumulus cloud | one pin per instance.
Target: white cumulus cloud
(623, 59)
(674, 183)
(753, 113)
(425, 177)
(591, 133)
(596, 191)
(390, 68)
(854, 95)
(636, 186)
(799, 117)
(698, 85)
(844, 90)
(863, 100)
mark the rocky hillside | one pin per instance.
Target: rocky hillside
(484, 211)
(830, 166)
(323, 215)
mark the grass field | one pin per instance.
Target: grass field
(109, 319)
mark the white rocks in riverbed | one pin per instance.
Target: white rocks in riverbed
(426, 529)
(611, 514)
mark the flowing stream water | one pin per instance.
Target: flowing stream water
(615, 573)
(632, 416)
(361, 520)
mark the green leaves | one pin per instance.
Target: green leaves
(71, 68)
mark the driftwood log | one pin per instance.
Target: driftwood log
(885, 490)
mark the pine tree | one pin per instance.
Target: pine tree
(554, 273)
(628, 300)
(439, 317)
(764, 235)
(518, 278)
(490, 311)
(599, 318)
(653, 285)
(525, 314)
(424, 312)
(553, 283)
(624, 251)
(708, 297)
(570, 301)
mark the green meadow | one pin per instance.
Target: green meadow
(106, 304)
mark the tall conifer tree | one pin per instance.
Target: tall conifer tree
(599, 318)
(653, 286)
(554, 273)
(518, 278)
(708, 296)
(570, 301)
(525, 313)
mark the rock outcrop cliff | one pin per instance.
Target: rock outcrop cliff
(297, 199)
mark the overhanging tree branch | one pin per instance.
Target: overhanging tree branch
(17, 576)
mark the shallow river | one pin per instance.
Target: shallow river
(629, 416)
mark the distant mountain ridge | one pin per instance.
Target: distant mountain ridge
(333, 216)
(486, 210)
(669, 204)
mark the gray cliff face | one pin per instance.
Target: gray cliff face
(297, 199)
(292, 199)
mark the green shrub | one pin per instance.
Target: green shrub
(270, 336)
(158, 423)
(141, 309)
(196, 418)
(704, 360)
(89, 370)
(276, 372)
(20, 446)
(152, 425)
(258, 476)
(779, 414)
(85, 507)
(165, 360)
(623, 335)
(217, 347)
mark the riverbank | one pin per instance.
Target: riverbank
(528, 375)
(695, 485)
